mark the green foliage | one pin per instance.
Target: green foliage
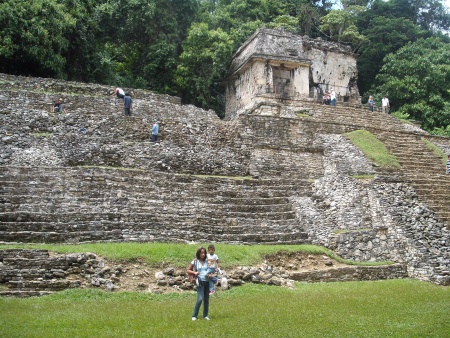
(432, 15)
(339, 25)
(384, 35)
(416, 80)
(308, 19)
(400, 115)
(389, 25)
(33, 37)
(203, 64)
(391, 308)
(84, 56)
(144, 39)
(444, 131)
(284, 21)
(374, 149)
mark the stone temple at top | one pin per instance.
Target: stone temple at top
(279, 66)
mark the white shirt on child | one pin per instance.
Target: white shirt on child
(212, 260)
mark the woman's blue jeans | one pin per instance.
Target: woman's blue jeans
(202, 296)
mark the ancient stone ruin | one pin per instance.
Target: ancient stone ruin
(278, 170)
(279, 66)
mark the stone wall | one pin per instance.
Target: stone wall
(281, 66)
(37, 272)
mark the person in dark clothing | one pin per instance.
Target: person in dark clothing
(58, 106)
(127, 104)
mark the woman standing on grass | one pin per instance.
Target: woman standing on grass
(199, 268)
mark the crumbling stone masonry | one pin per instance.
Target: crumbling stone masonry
(276, 65)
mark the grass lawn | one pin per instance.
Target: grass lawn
(394, 308)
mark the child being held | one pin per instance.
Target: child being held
(213, 266)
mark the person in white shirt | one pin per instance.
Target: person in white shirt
(119, 92)
(333, 98)
(385, 104)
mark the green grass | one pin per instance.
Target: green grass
(363, 177)
(42, 134)
(373, 149)
(176, 254)
(302, 113)
(395, 308)
(436, 150)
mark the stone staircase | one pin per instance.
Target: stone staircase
(421, 168)
(358, 118)
(87, 204)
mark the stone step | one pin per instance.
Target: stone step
(128, 177)
(444, 215)
(145, 192)
(425, 163)
(429, 178)
(83, 232)
(429, 187)
(268, 213)
(131, 205)
(168, 235)
(24, 294)
(65, 200)
(74, 92)
(69, 222)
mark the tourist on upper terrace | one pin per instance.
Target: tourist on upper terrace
(59, 106)
(155, 131)
(448, 165)
(199, 268)
(371, 103)
(385, 105)
(127, 104)
(119, 93)
(333, 98)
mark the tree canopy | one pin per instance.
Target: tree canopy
(34, 37)
(417, 81)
